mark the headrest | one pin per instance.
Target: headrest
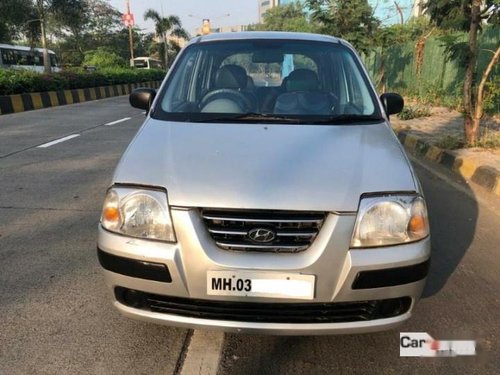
(302, 80)
(231, 77)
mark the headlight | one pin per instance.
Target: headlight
(135, 212)
(390, 220)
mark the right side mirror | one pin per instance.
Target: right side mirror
(393, 103)
(142, 98)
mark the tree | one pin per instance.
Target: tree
(103, 18)
(468, 16)
(387, 37)
(103, 57)
(13, 17)
(352, 20)
(69, 17)
(164, 27)
(291, 17)
(68, 13)
(100, 27)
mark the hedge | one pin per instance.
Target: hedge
(22, 81)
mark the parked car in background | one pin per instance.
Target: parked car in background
(266, 192)
(27, 58)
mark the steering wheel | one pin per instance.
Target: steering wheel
(236, 96)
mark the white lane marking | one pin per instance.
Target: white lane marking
(48, 144)
(203, 353)
(117, 121)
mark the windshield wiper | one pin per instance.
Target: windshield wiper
(251, 117)
(347, 119)
(286, 119)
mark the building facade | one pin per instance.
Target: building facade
(264, 6)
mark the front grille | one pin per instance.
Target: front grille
(291, 231)
(339, 312)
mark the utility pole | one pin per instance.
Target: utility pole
(130, 36)
(46, 58)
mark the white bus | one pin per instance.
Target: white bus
(20, 57)
(146, 63)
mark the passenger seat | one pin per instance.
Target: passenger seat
(303, 95)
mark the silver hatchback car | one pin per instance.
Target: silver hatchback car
(266, 193)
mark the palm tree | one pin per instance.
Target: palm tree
(165, 26)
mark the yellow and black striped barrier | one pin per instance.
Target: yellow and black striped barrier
(37, 100)
(485, 175)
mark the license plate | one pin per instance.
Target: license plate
(260, 284)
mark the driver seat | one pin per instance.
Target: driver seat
(230, 78)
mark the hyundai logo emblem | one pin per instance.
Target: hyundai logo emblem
(261, 235)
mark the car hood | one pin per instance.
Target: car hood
(271, 166)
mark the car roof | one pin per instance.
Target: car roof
(278, 35)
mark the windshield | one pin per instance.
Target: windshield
(281, 81)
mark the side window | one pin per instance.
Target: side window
(38, 59)
(53, 60)
(3, 56)
(182, 85)
(8, 57)
(23, 58)
(358, 98)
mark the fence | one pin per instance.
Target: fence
(439, 76)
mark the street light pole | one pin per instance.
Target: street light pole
(130, 36)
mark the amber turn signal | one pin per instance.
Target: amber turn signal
(111, 214)
(417, 225)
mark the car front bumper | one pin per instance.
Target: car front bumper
(343, 276)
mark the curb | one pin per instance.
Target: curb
(484, 175)
(37, 100)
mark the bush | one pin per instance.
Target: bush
(103, 58)
(411, 112)
(489, 140)
(451, 142)
(23, 81)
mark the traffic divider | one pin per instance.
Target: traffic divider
(486, 176)
(38, 100)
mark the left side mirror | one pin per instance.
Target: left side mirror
(142, 98)
(393, 103)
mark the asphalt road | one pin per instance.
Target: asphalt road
(57, 316)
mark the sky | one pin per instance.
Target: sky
(242, 12)
(386, 11)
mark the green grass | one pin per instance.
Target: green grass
(487, 140)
